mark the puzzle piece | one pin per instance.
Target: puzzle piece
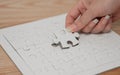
(65, 38)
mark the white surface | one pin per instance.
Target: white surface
(29, 46)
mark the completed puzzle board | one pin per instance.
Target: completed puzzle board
(29, 46)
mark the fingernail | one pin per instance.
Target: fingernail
(68, 29)
(96, 21)
(71, 28)
(107, 17)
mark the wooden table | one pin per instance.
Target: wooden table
(13, 12)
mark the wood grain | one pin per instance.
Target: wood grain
(14, 12)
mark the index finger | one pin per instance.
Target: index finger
(73, 14)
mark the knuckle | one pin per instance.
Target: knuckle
(92, 13)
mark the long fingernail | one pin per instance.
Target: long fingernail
(96, 21)
(71, 28)
(107, 17)
(68, 29)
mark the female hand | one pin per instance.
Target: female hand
(83, 16)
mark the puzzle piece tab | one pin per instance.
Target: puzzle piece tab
(65, 38)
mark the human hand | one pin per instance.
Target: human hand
(88, 10)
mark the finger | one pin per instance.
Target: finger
(90, 26)
(108, 27)
(74, 13)
(82, 22)
(101, 25)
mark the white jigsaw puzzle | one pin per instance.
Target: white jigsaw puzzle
(64, 38)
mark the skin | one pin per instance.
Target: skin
(82, 16)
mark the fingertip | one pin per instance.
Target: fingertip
(68, 29)
(95, 21)
(67, 25)
(71, 28)
(108, 27)
(107, 17)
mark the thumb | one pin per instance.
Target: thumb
(82, 21)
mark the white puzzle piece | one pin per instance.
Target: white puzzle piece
(64, 38)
